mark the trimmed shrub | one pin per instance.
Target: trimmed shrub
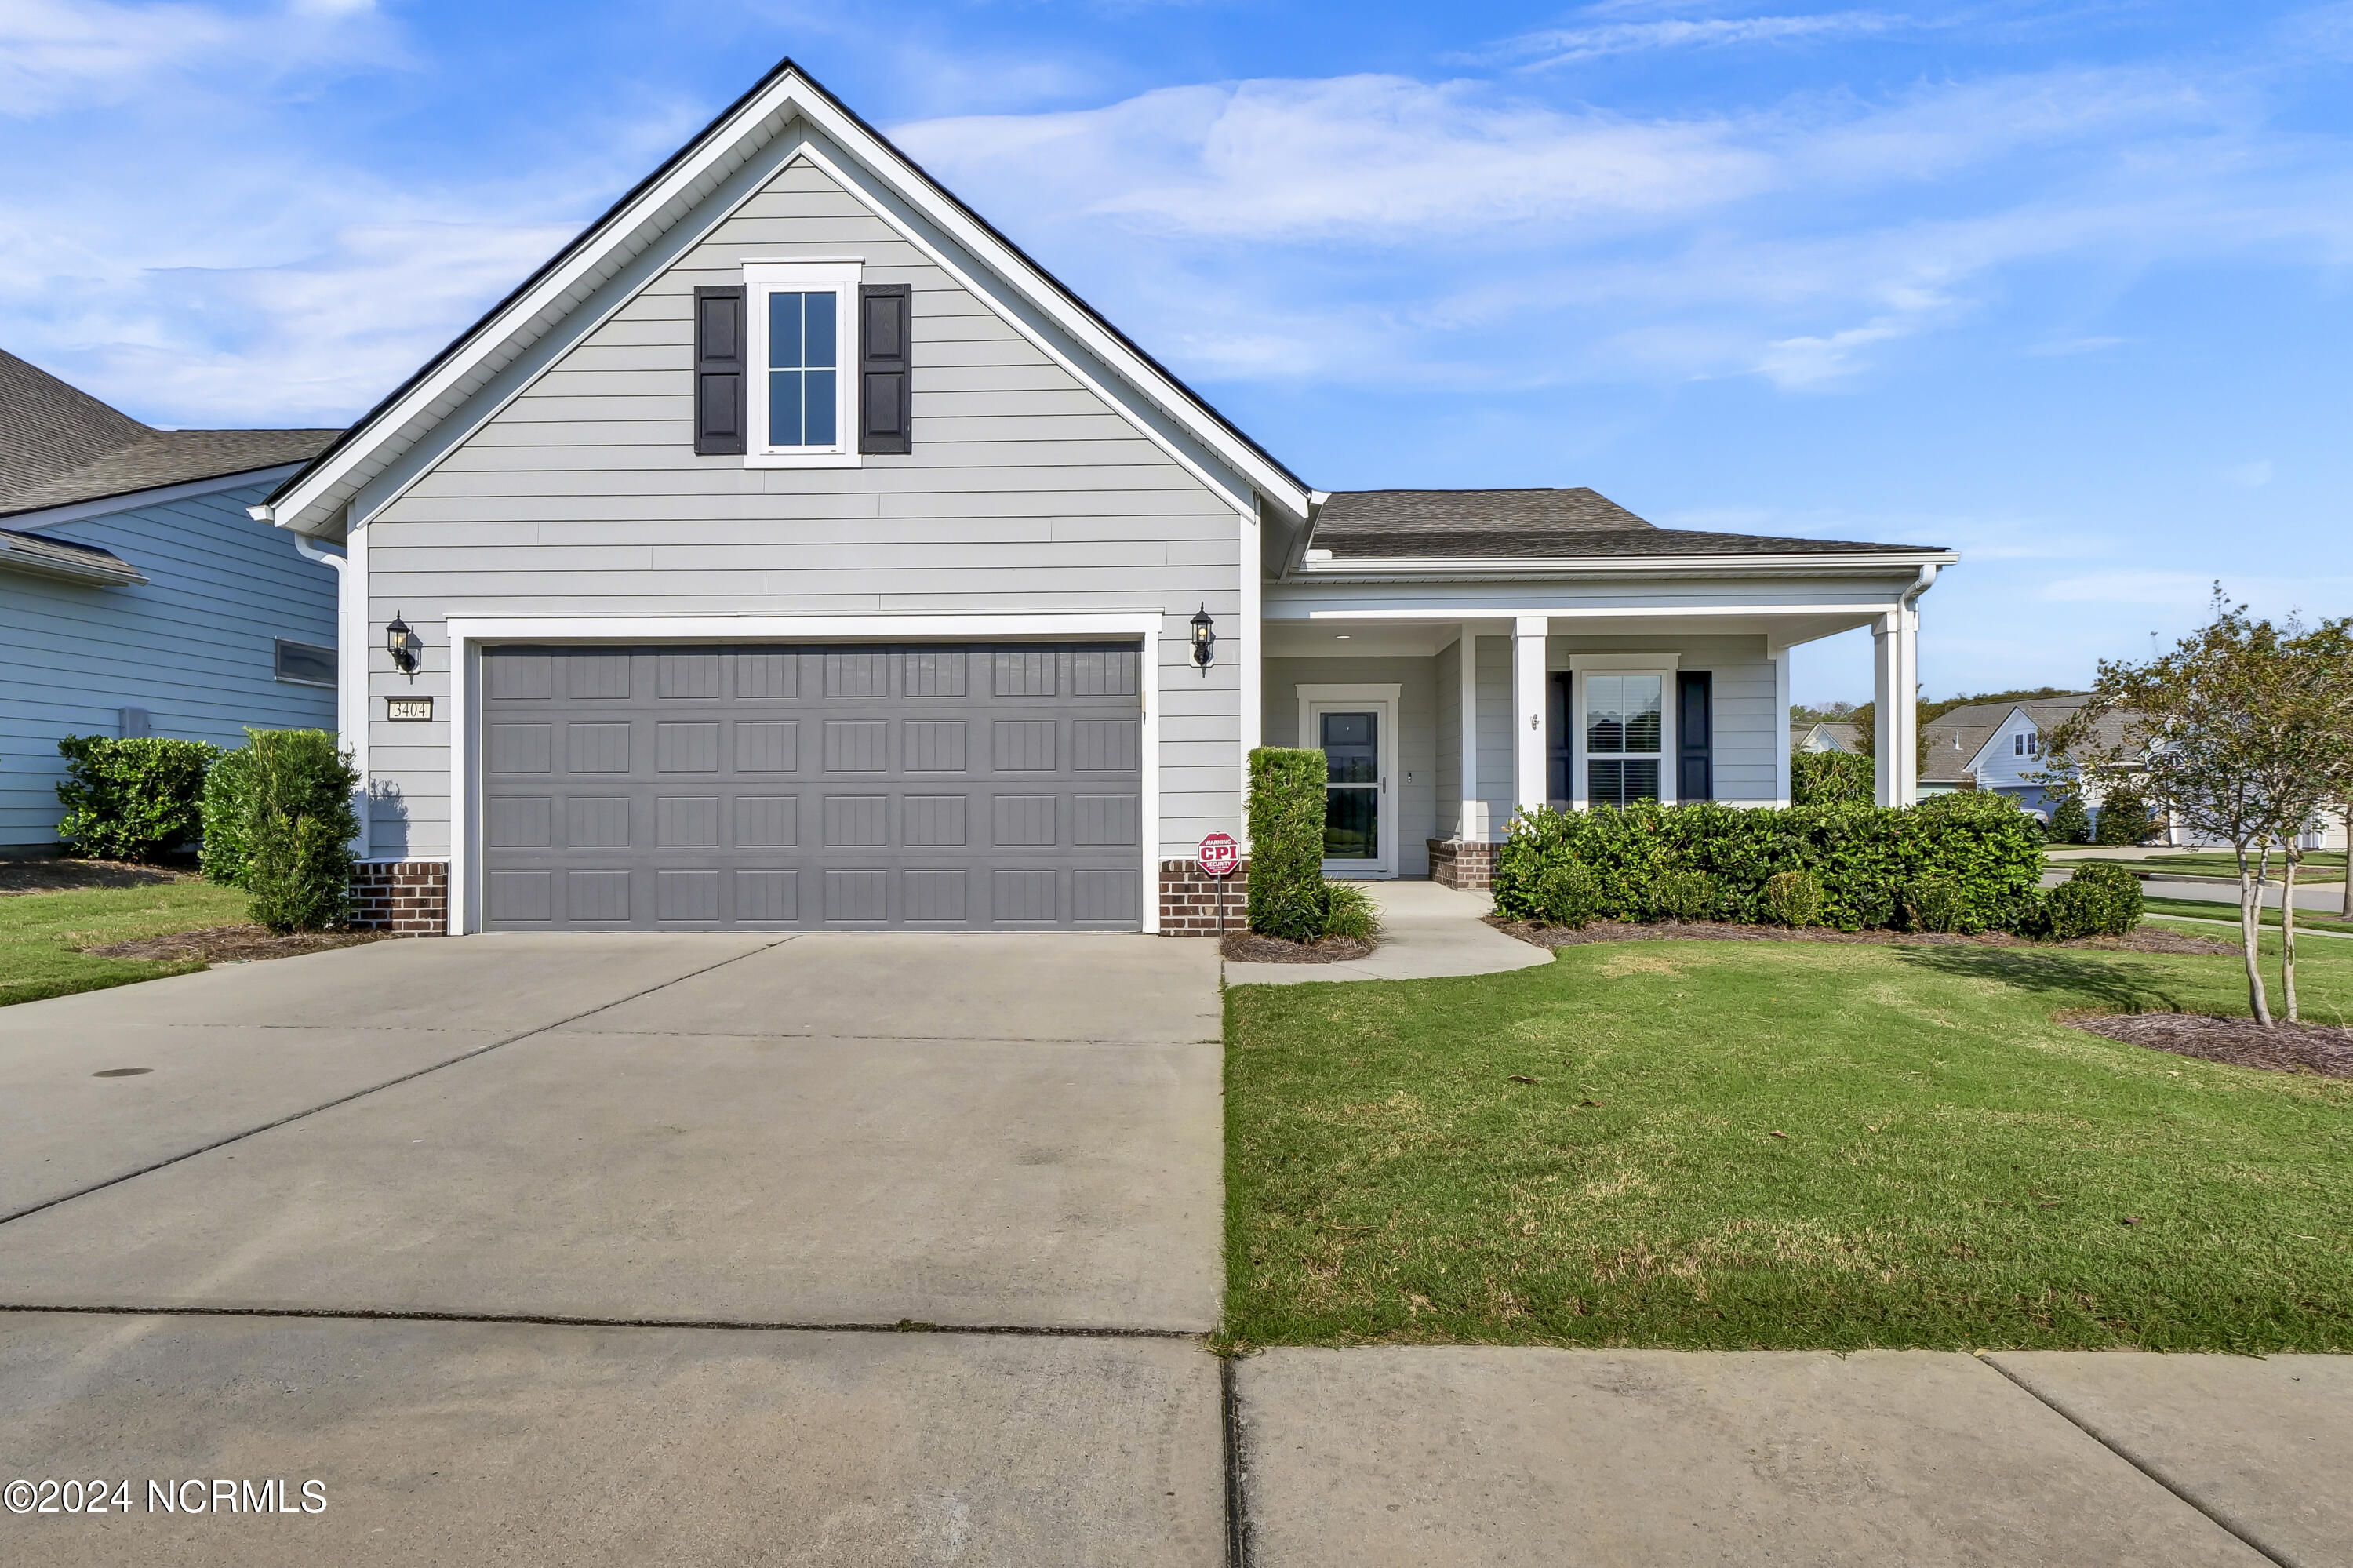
(1794, 898)
(298, 828)
(1349, 911)
(1933, 903)
(1287, 895)
(1567, 895)
(131, 800)
(1832, 779)
(2097, 901)
(2124, 818)
(2070, 823)
(228, 803)
(1684, 895)
(1864, 856)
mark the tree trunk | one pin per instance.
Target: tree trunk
(2250, 926)
(2344, 810)
(2288, 932)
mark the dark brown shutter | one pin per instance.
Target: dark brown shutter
(720, 366)
(1695, 737)
(885, 421)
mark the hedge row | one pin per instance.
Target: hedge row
(1968, 861)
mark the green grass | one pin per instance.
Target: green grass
(40, 931)
(1955, 1171)
(2199, 908)
(2318, 865)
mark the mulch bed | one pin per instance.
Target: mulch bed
(1249, 948)
(233, 944)
(2146, 939)
(48, 875)
(2321, 1048)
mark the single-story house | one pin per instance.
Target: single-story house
(793, 551)
(1827, 735)
(137, 596)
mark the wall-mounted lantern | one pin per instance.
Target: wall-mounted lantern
(404, 645)
(1205, 640)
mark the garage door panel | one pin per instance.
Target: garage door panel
(943, 787)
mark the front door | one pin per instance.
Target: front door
(1355, 739)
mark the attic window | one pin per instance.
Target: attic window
(802, 390)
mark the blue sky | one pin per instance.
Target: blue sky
(2066, 286)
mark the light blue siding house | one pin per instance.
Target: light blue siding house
(136, 595)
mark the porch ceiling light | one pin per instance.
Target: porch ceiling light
(404, 645)
(1205, 640)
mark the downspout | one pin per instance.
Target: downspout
(350, 709)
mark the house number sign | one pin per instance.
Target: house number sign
(408, 707)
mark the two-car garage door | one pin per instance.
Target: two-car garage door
(958, 787)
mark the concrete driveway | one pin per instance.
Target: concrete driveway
(436, 1164)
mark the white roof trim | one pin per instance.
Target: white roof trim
(309, 508)
(1590, 566)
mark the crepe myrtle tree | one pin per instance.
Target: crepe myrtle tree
(2243, 732)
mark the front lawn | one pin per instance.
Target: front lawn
(2319, 866)
(1726, 1145)
(2203, 909)
(39, 933)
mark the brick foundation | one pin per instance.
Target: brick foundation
(1188, 900)
(1457, 862)
(406, 897)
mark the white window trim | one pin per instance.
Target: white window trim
(1392, 697)
(468, 636)
(1583, 665)
(841, 279)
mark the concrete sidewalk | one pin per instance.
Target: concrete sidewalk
(1428, 932)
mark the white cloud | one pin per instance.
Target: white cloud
(59, 53)
(1565, 46)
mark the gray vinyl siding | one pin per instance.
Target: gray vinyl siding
(1415, 791)
(1025, 490)
(1447, 670)
(194, 645)
(1493, 736)
(1747, 720)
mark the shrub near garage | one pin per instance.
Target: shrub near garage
(299, 827)
(137, 798)
(1870, 860)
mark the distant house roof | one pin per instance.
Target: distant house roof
(59, 445)
(1956, 737)
(56, 558)
(1421, 525)
(1829, 735)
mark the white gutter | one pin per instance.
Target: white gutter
(1647, 566)
(350, 666)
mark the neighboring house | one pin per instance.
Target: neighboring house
(1828, 736)
(136, 595)
(792, 551)
(1997, 745)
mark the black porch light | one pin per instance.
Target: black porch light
(404, 645)
(1205, 640)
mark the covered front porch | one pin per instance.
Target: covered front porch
(1444, 711)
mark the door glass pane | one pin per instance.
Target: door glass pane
(1352, 824)
(1352, 748)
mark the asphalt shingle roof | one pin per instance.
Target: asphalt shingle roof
(1415, 525)
(59, 445)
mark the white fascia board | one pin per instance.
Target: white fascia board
(1511, 568)
(757, 123)
(1483, 613)
(131, 500)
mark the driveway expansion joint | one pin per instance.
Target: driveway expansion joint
(563, 1320)
(117, 1180)
(2219, 1521)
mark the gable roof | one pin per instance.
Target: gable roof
(1533, 525)
(309, 500)
(59, 445)
(1959, 736)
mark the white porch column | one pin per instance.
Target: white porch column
(1528, 790)
(1471, 825)
(1895, 690)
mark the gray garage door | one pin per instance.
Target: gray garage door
(783, 787)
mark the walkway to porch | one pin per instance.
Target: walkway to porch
(1430, 931)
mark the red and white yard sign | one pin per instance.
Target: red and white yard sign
(1220, 855)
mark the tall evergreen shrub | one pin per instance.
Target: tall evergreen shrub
(1286, 826)
(299, 825)
(2124, 818)
(1832, 779)
(137, 798)
(228, 803)
(2070, 823)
